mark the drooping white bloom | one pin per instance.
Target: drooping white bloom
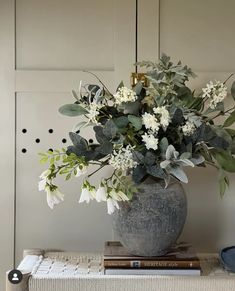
(216, 92)
(150, 122)
(87, 194)
(165, 116)
(124, 95)
(81, 170)
(150, 141)
(118, 195)
(101, 194)
(112, 205)
(54, 196)
(189, 128)
(44, 180)
(122, 159)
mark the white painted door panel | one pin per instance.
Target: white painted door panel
(71, 225)
(200, 34)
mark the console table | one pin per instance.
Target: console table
(64, 271)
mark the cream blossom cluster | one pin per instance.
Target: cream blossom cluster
(93, 112)
(189, 128)
(102, 194)
(164, 116)
(54, 196)
(150, 121)
(124, 95)
(122, 159)
(216, 91)
(150, 141)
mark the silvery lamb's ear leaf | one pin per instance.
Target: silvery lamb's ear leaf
(165, 164)
(72, 110)
(197, 159)
(185, 155)
(80, 125)
(178, 173)
(170, 152)
(233, 90)
(185, 163)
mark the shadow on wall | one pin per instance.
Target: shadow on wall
(209, 225)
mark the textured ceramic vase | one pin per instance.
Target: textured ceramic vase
(153, 220)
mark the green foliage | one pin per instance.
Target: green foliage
(135, 121)
(230, 120)
(72, 110)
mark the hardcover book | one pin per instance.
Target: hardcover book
(180, 256)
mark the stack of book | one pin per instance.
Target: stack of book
(180, 260)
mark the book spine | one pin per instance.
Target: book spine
(154, 264)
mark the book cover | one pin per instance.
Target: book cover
(152, 263)
(179, 256)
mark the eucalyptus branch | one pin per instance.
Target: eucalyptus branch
(223, 112)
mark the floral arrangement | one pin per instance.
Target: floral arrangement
(154, 131)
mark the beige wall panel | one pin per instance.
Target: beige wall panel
(57, 34)
(200, 33)
(7, 127)
(70, 226)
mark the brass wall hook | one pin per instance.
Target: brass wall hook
(139, 77)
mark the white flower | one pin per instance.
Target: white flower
(189, 128)
(101, 194)
(118, 195)
(87, 194)
(216, 92)
(165, 116)
(93, 112)
(54, 196)
(151, 142)
(111, 205)
(124, 95)
(42, 185)
(150, 121)
(81, 170)
(44, 180)
(122, 159)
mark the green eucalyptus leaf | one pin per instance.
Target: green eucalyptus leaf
(110, 129)
(135, 121)
(78, 141)
(225, 160)
(121, 121)
(72, 110)
(230, 120)
(139, 173)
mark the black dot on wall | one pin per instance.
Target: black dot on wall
(64, 140)
(78, 131)
(51, 150)
(24, 151)
(91, 140)
(37, 140)
(50, 130)
(24, 130)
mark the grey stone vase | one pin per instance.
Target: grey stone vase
(153, 220)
